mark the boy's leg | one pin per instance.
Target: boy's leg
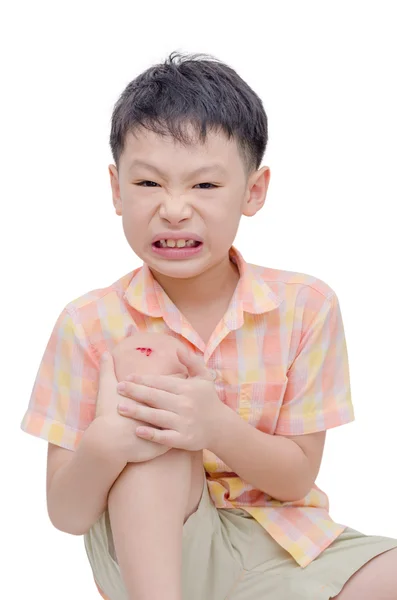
(148, 505)
(376, 579)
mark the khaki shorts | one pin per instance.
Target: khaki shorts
(227, 555)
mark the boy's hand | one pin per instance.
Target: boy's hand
(188, 410)
(115, 433)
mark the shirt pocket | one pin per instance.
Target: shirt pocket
(259, 403)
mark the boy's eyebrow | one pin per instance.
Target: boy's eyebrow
(213, 167)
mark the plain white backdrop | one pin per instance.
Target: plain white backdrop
(326, 74)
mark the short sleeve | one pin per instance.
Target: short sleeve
(62, 402)
(318, 394)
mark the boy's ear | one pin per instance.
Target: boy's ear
(256, 191)
(114, 182)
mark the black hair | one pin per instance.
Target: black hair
(195, 89)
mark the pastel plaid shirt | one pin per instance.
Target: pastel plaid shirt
(279, 355)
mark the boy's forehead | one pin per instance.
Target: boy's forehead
(149, 147)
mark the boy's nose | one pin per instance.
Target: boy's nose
(175, 210)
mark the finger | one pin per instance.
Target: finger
(147, 395)
(194, 364)
(159, 382)
(167, 437)
(152, 416)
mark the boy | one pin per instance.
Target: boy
(188, 137)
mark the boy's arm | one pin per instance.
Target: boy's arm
(285, 468)
(285, 464)
(78, 482)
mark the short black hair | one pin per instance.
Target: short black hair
(195, 89)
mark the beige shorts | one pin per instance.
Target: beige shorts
(227, 555)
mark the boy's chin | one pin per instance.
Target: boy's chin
(176, 270)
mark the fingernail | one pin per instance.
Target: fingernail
(142, 431)
(121, 386)
(122, 408)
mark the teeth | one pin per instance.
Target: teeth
(176, 243)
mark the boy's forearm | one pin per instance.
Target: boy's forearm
(273, 464)
(79, 489)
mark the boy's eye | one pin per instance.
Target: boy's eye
(153, 184)
(206, 184)
(142, 182)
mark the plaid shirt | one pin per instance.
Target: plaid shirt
(281, 363)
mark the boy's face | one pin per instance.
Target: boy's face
(175, 200)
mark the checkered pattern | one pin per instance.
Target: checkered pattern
(280, 360)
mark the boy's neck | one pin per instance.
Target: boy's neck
(208, 288)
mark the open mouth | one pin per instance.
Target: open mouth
(177, 244)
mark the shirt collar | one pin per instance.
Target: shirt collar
(252, 294)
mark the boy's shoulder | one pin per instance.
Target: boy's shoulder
(91, 298)
(280, 279)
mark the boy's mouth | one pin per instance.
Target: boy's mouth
(180, 243)
(175, 247)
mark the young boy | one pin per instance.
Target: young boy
(246, 521)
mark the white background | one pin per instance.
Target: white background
(326, 74)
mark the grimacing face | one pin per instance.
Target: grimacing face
(160, 190)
